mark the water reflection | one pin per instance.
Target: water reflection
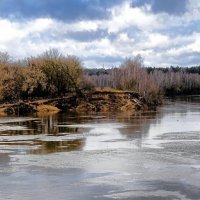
(43, 134)
(70, 132)
(106, 156)
(58, 146)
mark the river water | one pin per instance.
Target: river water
(150, 155)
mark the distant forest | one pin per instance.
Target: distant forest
(148, 81)
(52, 74)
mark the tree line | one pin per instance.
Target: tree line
(51, 74)
(149, 82)
(47, 75)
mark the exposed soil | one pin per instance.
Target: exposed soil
(98, 101)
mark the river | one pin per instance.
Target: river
(148, 156)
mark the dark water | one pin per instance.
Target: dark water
(151, 155)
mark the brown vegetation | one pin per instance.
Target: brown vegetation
(48, 75)
(46, 108)
(150, 83)
(52, 75)
(98, 101)
(109, 101)
(130, 76)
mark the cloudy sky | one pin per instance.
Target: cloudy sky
(104, 32)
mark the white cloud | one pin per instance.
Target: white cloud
(193, 13)
(192, 46)
(76, 27)
(9, 31)
(125, 16)
(129, 31)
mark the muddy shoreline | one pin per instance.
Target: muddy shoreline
(104, 101)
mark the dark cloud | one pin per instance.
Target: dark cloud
(67, 10)
(186, 30)
(106, 59)
(78, 36)
(174, 7)
(86, 36)
(186, 59)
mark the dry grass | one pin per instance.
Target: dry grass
(2, 112)
(47, 108)
(107, 89)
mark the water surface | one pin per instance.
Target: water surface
(149, 155)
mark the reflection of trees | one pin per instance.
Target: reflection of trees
(48, 125)
(138, 125)
(184, 99)
(58, 146)
(180, 106)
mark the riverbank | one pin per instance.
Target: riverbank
(97, 101)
